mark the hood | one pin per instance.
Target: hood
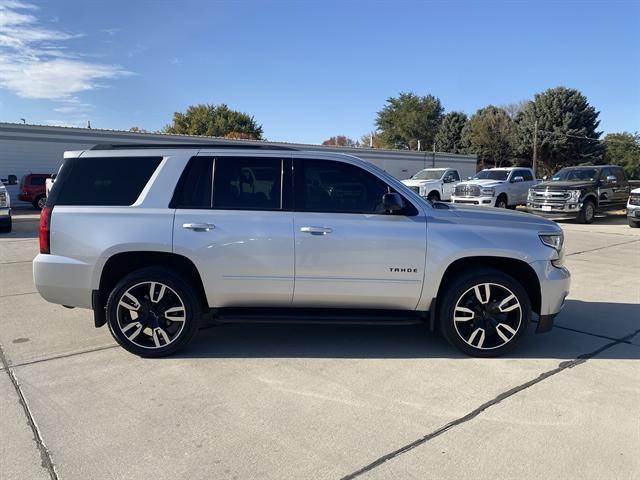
(636, 191)
(418, 183)
(483, 183)
(563, 185)
(506, 218)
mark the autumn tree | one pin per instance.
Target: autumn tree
(340, 141)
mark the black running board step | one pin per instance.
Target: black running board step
(318, 316)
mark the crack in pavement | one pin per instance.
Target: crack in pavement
(45, 456)
(495, 401)
(64, 355)
(601, 248)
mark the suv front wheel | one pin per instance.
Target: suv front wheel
(484, 313)
(153, 312)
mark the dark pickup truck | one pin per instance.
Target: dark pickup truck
(580, 192)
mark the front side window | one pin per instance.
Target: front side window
(329, 186)
(454, 175)
(526, 174)
(247, 183)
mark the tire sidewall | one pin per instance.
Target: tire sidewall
(503, 200)
(585, 208)
(460, 285)
(182, 288)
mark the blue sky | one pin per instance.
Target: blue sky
(308, 70)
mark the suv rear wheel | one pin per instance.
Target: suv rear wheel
(484, 313)
(153, 312)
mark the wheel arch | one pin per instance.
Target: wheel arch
(591, 196)
(121, 264)
(521, 271)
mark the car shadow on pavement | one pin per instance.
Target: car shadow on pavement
(23, 227)
(413, 341)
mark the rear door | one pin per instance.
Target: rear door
(606, 188)
(232, 222)
(349, 251)
(621, 189)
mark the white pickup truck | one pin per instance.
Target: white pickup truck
(434, 183)
(496, 187)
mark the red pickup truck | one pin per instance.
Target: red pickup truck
(32, 189)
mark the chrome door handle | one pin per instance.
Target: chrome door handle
(316, 230)
(199, 227)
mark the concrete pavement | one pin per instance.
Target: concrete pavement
(328, 402)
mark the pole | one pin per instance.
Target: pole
(433, 156)
(535, 147)
(418, 144)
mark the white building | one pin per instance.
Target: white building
(39, 149)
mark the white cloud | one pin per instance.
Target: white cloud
(35, 64)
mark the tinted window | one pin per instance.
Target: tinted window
(620, 175)
(102, 181)
(247, 183)
(454, 174)
(36, 181)
(194, 187)
(492, 175)
(327, 186)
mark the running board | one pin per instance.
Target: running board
(325, 316)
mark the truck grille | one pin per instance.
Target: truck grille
(549, 196)
(467, 191)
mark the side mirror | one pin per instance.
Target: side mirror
(469, 178)
(392, 202)
(12, 180)
(545, 177)
(518, 179)
(612, 179)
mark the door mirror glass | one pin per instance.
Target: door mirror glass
(392, 202)
(518, 179)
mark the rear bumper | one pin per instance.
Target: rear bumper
(63, 280)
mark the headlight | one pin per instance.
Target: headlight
(3, 199)
(553, 240)
(574, 195)
(488, 192)
(530, 194)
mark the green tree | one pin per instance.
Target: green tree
(624, 149)
(214, 121)
(449, 135)
(340, 141)
(489, 135)
(409, 118)
(567, 129)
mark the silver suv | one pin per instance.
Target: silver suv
(154, 239)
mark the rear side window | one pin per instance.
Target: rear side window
(37, 181)
(113, 181)
(247, 183)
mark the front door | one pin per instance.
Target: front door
(237, 234)
(349, 251)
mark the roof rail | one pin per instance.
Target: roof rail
(142, 146)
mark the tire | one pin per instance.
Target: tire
(634, 224)
(146, 330)
(587, 212)
(433, 197)
(501, 201)
(484, 325)
(40, 202)
(7, 228)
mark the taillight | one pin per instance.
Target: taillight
(45, 232)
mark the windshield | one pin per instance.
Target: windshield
(575, 175)
(428, 175)
(492, 175)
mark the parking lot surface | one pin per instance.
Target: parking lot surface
(326, 401)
